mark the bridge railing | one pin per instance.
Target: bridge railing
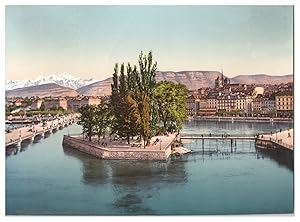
(218, 135)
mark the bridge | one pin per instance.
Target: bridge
(17, 136)
(218, 137)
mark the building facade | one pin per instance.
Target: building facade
(78, 102)
(36, 104)
(284, 104)
(55, 103)
(193, 105)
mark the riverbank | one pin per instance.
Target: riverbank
(240, 119)
(279, 140)
(108, 148)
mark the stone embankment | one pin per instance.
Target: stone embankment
(241, 119)
(159, 149)
(278, 140)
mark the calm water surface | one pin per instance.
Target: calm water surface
(43, 178)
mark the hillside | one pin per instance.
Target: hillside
(262, 79)
(44, 90)
(100, 88)
(192, 79)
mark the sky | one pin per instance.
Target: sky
(86, 41)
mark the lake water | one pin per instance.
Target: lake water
(43, 178)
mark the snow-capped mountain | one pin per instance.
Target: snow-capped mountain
(63, 79)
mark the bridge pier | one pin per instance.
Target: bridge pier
(19, 143)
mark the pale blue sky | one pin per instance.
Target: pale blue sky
(86, 41)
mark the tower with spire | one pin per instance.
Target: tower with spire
(221, 81)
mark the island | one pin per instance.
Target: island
(141, 119)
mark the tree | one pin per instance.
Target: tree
(87, 120)
(171, 102)
(146, 83)
(145, 118)
(139, 104)
(102, 120)
(132, 120)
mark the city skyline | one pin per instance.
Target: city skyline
(86, 41)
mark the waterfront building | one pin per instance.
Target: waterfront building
(268, 105)
(74, 103)
(193, 104)
(55, 103)
(248, 105)
(91, 100)
(78, 102)
(208, 106)
(226, 103)
(240, 104)
(36, 104)
(284, 104)
(257, 105)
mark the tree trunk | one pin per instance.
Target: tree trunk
(165, 125)
(90, 138)
(128, 139)
(148, 142)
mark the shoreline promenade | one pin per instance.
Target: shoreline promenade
(241, 119)
(283, 139)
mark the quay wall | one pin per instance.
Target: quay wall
(116, 154)
(242, 119)
(269, 144)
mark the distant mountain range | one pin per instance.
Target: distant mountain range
(44, 90)
(64, 79)
(262, 79)
(66, 84)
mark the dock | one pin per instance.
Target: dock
(17, 136)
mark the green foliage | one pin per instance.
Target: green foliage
(8, 109)
(139, 104)
(87, 120)
(171, 102)
(131, 98)
(102, 120)
(132, 118)
(145, 116)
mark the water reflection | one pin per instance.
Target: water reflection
(94, 171)
(11, 150)
(133, 182)
(282, 157)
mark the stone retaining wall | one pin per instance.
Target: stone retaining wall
(121, 154)
(268, 144)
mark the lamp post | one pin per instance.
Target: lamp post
(160, 145)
